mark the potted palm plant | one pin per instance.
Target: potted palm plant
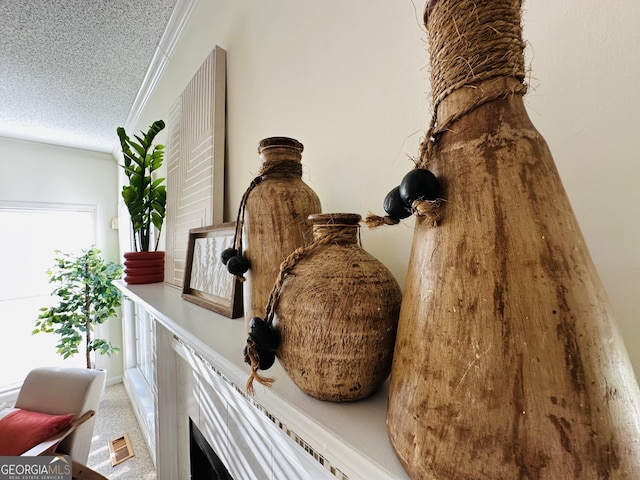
(146, 200)
(87, 298)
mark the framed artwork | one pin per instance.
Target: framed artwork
(195, 161)
(206, 280)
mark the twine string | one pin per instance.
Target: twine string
(429, 209)
(468, 44)
(374, 221)
(326, 234)
(252, 352)
(283, 167)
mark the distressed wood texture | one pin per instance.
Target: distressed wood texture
(275, 221)
(507, 362)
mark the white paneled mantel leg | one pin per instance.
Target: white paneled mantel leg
(166, 411)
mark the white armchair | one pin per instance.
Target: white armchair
(59, 391)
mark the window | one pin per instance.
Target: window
(144, 345)
(29, 235)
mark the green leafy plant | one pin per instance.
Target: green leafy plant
(87, 298)
(145, 198)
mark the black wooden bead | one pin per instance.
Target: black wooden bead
(227, 253)
(394, 206)
(267, 359)
(265, 337)
(419, 184)
(237, 265)
(245, 355)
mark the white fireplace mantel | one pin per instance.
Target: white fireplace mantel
(351, 437)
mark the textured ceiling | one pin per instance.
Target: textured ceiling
(70, 70)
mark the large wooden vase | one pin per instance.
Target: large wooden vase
(275, 219)
(507, 362)
(337, 314)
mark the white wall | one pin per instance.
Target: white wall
(584, 65)
(40, 173)
(37, 172)
(350, 81)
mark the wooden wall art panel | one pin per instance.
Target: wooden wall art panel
(195, 161)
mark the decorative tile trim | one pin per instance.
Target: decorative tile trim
(336, 472)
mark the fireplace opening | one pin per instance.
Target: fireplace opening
(205, 464)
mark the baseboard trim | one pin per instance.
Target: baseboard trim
(114, 380)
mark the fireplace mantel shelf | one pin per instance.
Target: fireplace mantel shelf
(351, 436)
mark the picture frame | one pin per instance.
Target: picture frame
(206, 280)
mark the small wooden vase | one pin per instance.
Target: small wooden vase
(143, 267)
(275, 219)
(507, 363)
(337, 315)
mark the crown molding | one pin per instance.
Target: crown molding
(172, 34)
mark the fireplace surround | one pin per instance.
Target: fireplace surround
(204, 463)
(279, 433)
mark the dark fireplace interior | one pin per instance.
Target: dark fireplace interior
(205, 464)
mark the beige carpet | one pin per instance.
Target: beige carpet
(115, 418)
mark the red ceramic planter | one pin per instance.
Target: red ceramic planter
(143, 267)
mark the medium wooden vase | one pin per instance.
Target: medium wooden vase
(507, 363)
(337, 314)
(275, 219)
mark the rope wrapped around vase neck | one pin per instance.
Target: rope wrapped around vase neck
(286, 167)
(339, 235)
(470, 41)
